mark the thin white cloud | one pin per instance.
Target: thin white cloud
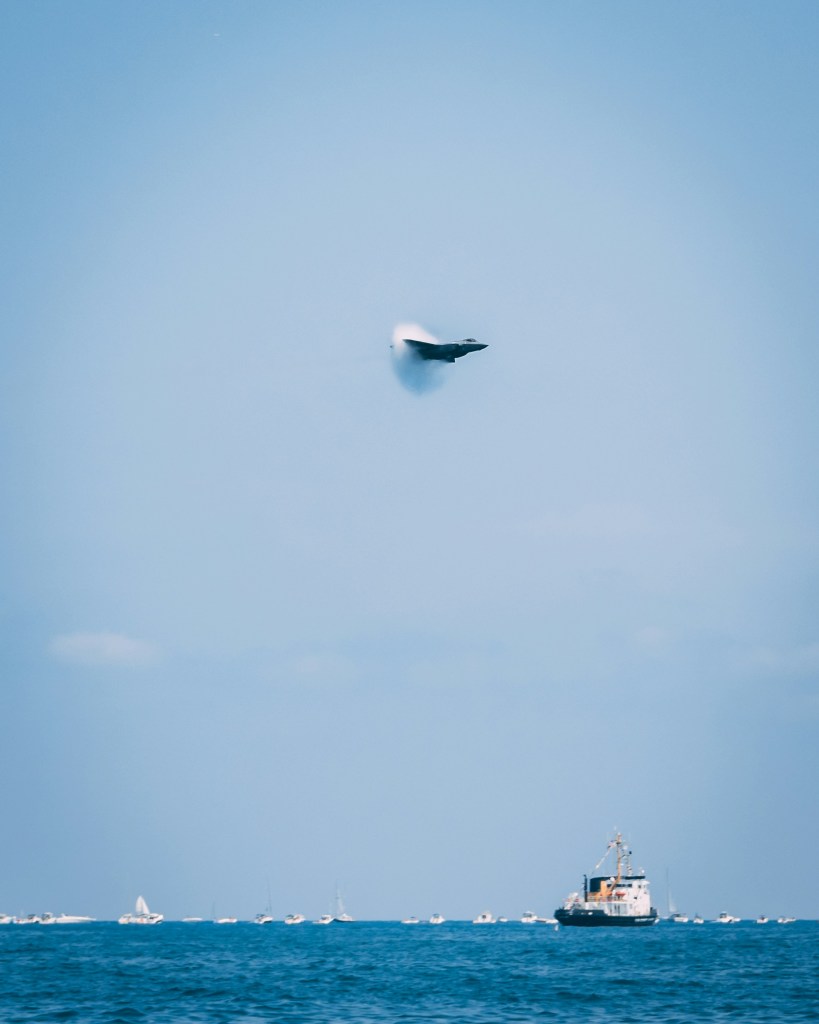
(102, 649)
(653, 639)
(325, 667)
(794, 661)
(605, 521)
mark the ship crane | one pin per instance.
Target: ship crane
(623, 856)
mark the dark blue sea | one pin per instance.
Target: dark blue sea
(208, 974)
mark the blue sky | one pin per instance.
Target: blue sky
(268, 618)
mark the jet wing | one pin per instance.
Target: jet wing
(426, 350)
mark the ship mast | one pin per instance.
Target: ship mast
(623, 856)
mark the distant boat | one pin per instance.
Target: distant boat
(726, 918)
(341, 916)
(410, 920)
(437, 919)
(762, 920)
(6, 919)
(325, 919)
(29, 919)
(263, 919)
(192, 920)
(698, 919)
(484, 918)
(785, 920)
(142, 915)
(294, 919)
(226, 920)
(673, 914)
(530, 917)
(69, 919)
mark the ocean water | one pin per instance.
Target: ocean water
(377, 972)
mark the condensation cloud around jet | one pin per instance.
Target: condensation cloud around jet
(418, 356)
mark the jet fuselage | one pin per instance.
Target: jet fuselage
(448, 353)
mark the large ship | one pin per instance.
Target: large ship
(620, 899)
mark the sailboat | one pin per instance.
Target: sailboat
(340, 915)
(673, 914)
(266, 916)
(142, 916)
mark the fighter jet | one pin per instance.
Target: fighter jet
(447, 353)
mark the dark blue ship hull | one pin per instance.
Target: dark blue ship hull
(600, 919)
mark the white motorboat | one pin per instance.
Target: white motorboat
(785, 920)
(484, 918)
(192, 920)
(410, 920)
(226, 920)
(726, 918)
(142, 915)
(70, 919)
(294, 919)
(762, 919)
(437, 919)
(528, 917)
(547, 920)
(678, 918)
(263, 919)
(325, 919)
(6, 919)
(29, 919)
(698, 919)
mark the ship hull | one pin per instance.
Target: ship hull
(600, 919)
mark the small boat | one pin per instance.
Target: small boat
(484, 918)
(547, 920)
(263, 919)
(762, 919)
(341, 916)
(726, 918)
(70, 919)
(698, 919)
(6, 919)
(226, 920)
(785, 920)
(618, 899)
(294, 919)
(192, 920)
(325, 919)
(673, 914)
(503, 920)
(528, 917)
(437, 919)
(410, 920)
(142, 915)
(29, 919)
